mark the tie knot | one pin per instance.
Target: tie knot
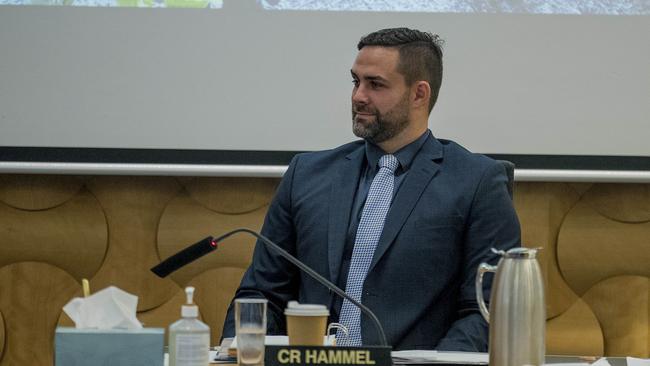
(389, 161)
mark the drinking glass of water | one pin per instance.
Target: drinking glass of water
(250, 327)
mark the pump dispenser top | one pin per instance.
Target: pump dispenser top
(189, 310)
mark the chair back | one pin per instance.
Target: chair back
(510, 172)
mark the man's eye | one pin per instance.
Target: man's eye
(355, 82)
(375, 84)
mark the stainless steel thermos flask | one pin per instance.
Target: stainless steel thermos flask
(517, 315)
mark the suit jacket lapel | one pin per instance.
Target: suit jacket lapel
(420, 173)
(344, 187)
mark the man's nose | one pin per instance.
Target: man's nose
(359, 95)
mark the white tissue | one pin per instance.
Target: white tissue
(110, 308)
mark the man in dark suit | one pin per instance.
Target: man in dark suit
(400, 219)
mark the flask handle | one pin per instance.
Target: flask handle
(482, 269)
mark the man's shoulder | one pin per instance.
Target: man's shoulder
(330, 156)
(462, 158)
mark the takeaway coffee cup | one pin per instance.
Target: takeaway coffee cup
(306, 323)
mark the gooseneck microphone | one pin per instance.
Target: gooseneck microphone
(203, 247)
(185, 256)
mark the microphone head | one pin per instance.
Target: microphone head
(185, 256)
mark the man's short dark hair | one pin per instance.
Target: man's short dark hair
(420, 55)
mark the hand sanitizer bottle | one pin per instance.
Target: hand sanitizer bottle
(189, 338)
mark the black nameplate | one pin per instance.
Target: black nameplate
(314, 355)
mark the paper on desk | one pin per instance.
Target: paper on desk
(426, 357)
(275, 340)
(633, 361)
(600, 362)
(213, 356)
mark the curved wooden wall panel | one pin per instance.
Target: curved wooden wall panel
(32, 297)
(631, 205)
(2, 334)
(607, 248)
(38, 192)
(133, 206)
(575, 331)
(167, 313)
(72, 236)
(113, 229)
(217, 287)
(230, 195)
(541, 208)
(599, 241)
(621, 306)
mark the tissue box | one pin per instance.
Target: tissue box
(115, 347)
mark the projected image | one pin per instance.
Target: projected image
(211, 4)
(595, 7)
(579, 7)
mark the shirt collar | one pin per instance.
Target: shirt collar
(404, 156)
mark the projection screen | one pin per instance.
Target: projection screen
(549, 83)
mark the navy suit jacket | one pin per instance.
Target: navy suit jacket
(450, 210)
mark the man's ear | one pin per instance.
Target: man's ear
(421, 93)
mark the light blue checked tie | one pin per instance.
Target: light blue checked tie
(370, 227)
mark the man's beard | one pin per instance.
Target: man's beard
(385, 125)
